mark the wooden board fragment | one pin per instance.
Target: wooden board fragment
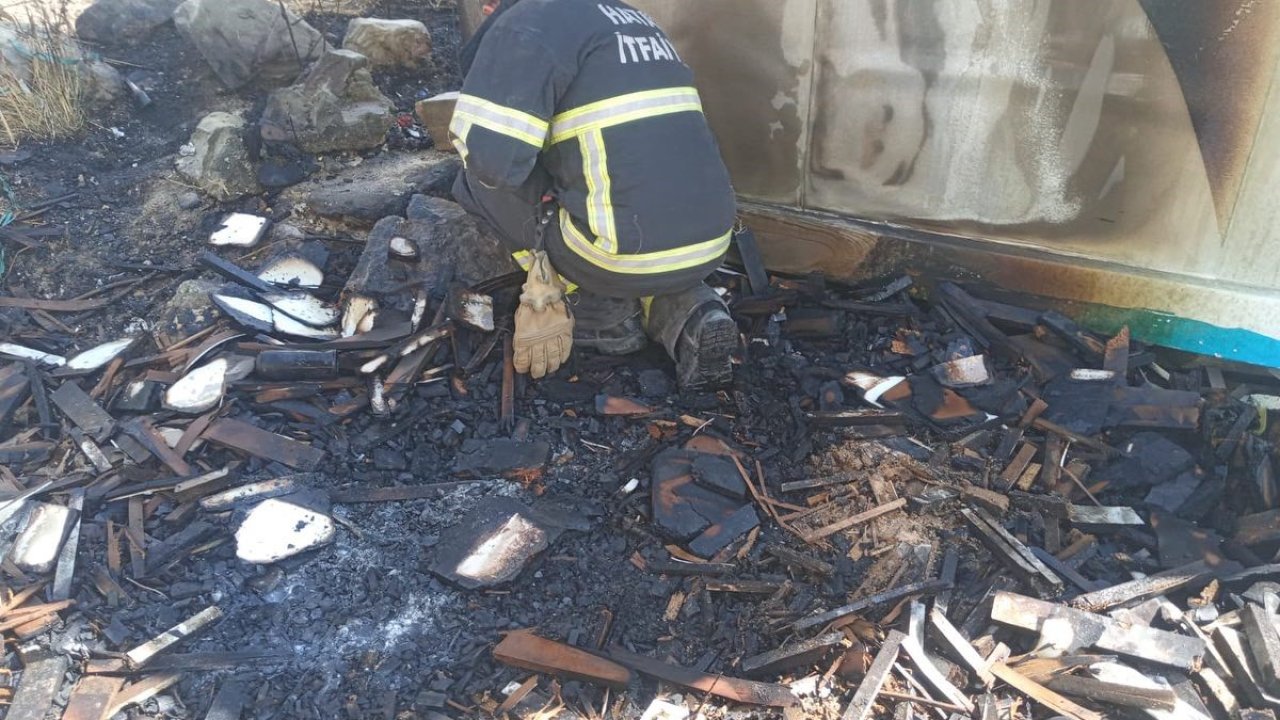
(1259, 528)
(1264, 643)
(42, 675)
(228, 702)
(145, 432)
(792, 655)
(142, 691)
(729, 688)
(961, 648)
(1114, 693)
(137, 538)
(139, 656)
(1100, 631)
(875, 512)
(82, 411)
(240, 435)
(933, 677)
(1010, 550)
(525, 650)
(891, 595)
(91, 698)
(1042, 694)
(1179, 578)
(864, 699)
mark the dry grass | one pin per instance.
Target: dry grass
(44, 99)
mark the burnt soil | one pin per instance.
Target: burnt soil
(361, 628)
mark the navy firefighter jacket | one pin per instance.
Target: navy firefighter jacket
(596, 94)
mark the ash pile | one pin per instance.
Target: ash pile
(909, 504)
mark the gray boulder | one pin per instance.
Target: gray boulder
(102, 84)
(124, 21)
(359, 196)
(221, 164)
(249, 40)
(449, 236)
(388, 42)
(336, 106)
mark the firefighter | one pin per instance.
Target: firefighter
(585, 148)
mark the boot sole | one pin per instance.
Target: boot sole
(708, 363)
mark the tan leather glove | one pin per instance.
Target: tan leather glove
(544, 324)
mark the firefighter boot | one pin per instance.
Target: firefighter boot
(609, 326)
(700, 336)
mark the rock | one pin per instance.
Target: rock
(276, 173)
(36, 548)
(492, 544)
(189, 310)
(220, 164)
(285, 233)
(336, 106)
(278, 528)
(388, 42)
(436, 113)
(102, 84)
(249, 40)
(374, 189)
(189, 200)
(123, 21)
(454, 236)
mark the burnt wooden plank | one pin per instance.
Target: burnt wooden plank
(140, 655)
(82, 411)
(1010, 550)
(736, 689)
(91, 698)
(1264, 643)
(961, 648)
(793, 655)
(902, 591)
(40, 397)
(523, 649)
(1258, 528)
(228, 703)
(1042, 694)
(1186, 576)
(240, 435)
(1114, 693)
(793, 558)
(875, 512)
(42, 676)
(864, 698)
(145, 432)
(1100, 631)
(137, 538)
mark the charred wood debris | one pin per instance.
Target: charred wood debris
(913, 502)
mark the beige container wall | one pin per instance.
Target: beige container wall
(1120, 131)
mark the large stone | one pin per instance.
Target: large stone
(124, 21)
(361, 195)
(388, 42)
(102, 84)
(221, 164)
(336, 106)
(249, 40)
(449, 235)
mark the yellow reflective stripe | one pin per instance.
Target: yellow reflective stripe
(524, 259)
(641, 263)
(503, 120)
(595, 168)
(623, 109)
(458, 129)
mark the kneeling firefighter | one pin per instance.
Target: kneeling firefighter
(585, 148)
